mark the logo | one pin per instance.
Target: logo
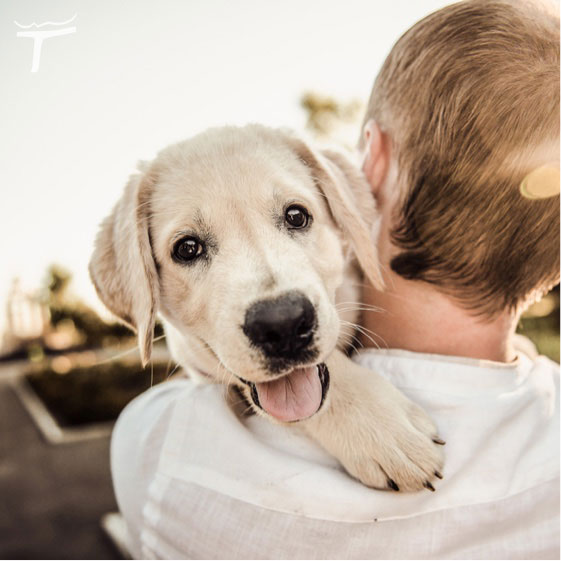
(40, 35)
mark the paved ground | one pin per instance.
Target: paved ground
(51, 496)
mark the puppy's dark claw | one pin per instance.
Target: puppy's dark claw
(429, 486)
(393, 485)
(438, 440)
(438, 474)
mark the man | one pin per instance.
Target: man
(462, 123)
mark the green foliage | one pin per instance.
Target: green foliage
(543, 332)
(326, 114)
(96, 331)
(57, 280)
(93, 394)
(93, 331)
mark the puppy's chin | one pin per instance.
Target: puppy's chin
(293, 397)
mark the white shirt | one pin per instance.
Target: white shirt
(195, 481)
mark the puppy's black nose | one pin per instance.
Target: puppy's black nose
(282, 327)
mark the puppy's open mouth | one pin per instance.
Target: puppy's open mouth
(294, 396)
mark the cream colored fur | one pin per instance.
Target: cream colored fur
(230, 186)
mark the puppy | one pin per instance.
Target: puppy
(244, 240)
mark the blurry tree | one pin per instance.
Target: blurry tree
(57, 281)
(329, 119)
(540, 323)
(68, 313)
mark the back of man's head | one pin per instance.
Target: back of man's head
(469, 97)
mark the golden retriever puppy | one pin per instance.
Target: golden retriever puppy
(244, 240)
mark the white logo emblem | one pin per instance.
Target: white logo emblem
(39, 36)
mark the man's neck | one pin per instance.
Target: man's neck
(414, 316)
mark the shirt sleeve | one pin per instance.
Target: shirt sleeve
(135, 448)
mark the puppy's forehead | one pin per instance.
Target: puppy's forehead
(208, 178)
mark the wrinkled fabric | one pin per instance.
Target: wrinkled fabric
(195, 481)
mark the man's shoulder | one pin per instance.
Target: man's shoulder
(192, 436)
(547, 366)
(513, 408)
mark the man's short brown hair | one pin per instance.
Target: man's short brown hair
(469, 97)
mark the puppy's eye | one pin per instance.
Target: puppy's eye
(188, 248)
(297, 217)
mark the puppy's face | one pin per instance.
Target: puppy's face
(248, 255)
(236, 238)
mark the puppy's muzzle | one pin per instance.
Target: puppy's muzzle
(282, 328)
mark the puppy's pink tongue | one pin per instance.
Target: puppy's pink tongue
(293, 397)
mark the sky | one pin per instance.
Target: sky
(124, 79)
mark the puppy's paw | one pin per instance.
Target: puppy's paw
(397, 447)
(379, 436)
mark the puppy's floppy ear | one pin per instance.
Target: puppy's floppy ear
(350, 202)
(122, 266)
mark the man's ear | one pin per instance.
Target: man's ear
(376, 156)
(350, 202)
(122, 266)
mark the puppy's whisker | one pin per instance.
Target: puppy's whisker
(133, 349)
(353, 346)
(346, 333)
(373, 333)
(373, 341)
(348, 339)
(167, 366)
(365, 332)
(168, 376)
(358, 306)
(345, 310)
(352, 336)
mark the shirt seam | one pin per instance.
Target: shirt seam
(465, 361)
